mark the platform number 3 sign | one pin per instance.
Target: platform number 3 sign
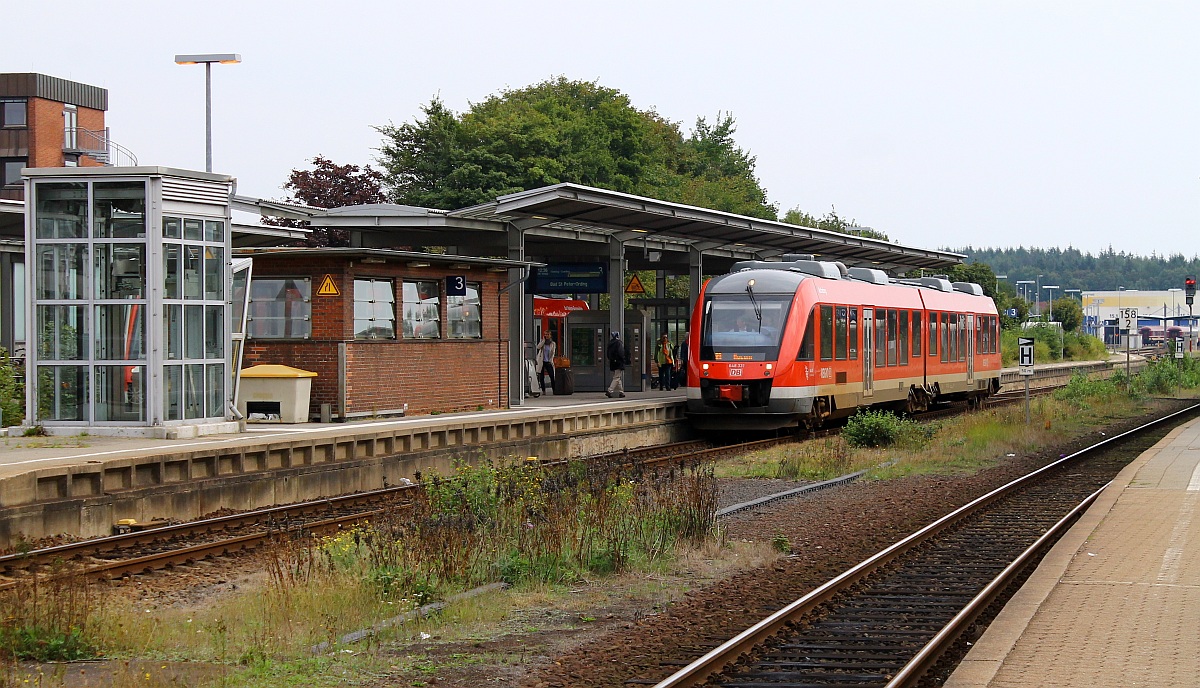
(456, 285)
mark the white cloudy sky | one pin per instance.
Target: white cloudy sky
(941, 123)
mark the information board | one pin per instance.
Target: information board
(1025, 355)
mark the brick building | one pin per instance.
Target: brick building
(386, 331)
(50, 122)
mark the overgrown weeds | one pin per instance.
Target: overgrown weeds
(878, 428)
(49, 617)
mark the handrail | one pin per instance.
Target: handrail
(103, 148)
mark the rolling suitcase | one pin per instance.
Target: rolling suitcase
(531, 380)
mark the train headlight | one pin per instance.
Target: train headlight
(704, 366)
(769, 367)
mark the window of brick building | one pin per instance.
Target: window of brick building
(422, 317)
(12, 113)
(465, 314)
(10, 171)
(280, 308)
(374, 309)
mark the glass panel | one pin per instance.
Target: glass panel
(933, 334)
(64, 333)
(62, 392)
(173, 331)
(173, 392)
(583, 346)
(61, 210)
(214, 386)
(826, 333)
(731, 330)
(853, 334)
(214, 230)
(193, 230)
(18, 290)
(172, 271)
(120, 393)
(214, 273)
(374, 310)
(13, 114)
(962, 337)
(880, 338)
(214, 331)
(806, 344)
(280, 308)
(902, 337)
(172, 228)
(121, 332)
(193, 331)
(193, 278)
(193, 391)
(917, 334)
(120, 271)
(840, 328)
(11, 173)
(945, 329)
(241, 280)
(119, 210)
(464, 314)
(60, 271)
(892, 336)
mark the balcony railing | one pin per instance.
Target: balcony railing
(99, 146)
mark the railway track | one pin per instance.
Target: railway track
(888, 620)
(183, 543)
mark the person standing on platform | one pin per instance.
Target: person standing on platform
(666, 363)
(616, 363)
(546, 351)
(681, 357)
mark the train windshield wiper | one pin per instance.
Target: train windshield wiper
(754, 302)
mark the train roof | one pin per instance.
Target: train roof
(838, 281)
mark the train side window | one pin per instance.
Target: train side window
(891, 339)
(880, 338)
(917, 334)
(806, 344)
(979, 343)
(945, 327)
(826, 333)
(853, 334)
(902, 337)
(933, 334)
(839, 335)
(995, 334)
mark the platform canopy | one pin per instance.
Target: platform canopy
(560, 221)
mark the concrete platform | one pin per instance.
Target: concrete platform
(1117, 601)
(81, 485)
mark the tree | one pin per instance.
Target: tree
(832, 222)
(565, 131)
(1068, 312)
(329, 185)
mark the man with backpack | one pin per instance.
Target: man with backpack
(616, 363)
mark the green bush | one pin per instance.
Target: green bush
(869, 428)
(1083, 389)
(12, 391)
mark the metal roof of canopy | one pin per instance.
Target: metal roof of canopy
(630, 217)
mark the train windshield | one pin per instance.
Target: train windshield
(743, 327)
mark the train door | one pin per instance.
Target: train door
(970, 350)
(868, 352)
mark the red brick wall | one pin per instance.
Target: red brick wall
(45, 120)
(383, 375)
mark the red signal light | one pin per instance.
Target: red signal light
(1191, 281)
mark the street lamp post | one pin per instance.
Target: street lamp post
(1061, 343)
(1024, 285)
(207, 60)
(1037, 295)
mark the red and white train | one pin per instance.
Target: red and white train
(799, 342)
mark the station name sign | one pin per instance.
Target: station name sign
(569, 278)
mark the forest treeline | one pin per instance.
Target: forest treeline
(1073, 269)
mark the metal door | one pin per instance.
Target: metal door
(868, 351)
(970, 350)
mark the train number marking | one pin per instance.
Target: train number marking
(826, 373)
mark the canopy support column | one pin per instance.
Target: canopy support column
(516, 318)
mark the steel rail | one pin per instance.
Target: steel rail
(716, 660)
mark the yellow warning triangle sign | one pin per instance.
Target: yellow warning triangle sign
(328, 287)
(635, 286)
